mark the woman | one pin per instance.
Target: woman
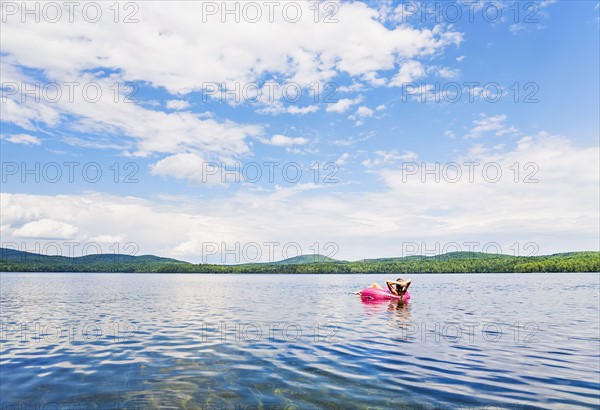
(397, 287)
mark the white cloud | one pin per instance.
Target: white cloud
(302, 110)
(283, 141)
(197, 170)
(343, 104)
(99, 142)
(361, 113)
(172, 39)
(347, 142)
(409, 72)
(26, 115)
(190, 166)
(111, 239)
(559, 212)
(277, 107)
(546, 3)
(448, 73)
(354, 87)
(494, 125)
(344, 142)
(450, 134)
(177, 104)
(364, 111)
(342, 159)
(516, 28)
(46, 228)
(388, 158)
(150, 131)
(24, 139)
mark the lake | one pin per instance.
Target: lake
(150, 341)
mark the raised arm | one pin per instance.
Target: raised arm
(392, 289)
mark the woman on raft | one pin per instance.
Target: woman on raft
(397, 287)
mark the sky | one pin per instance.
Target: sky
(255, 131)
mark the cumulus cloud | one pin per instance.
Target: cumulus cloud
(283, 141)
(409, 72)
(364, 111)
(151, 131)
(343, 104)
(556, 209)
(305, 51)
(302, 110)
(361, 113)
(448, 73)
(191, 167)
(177, 104)
(46, 228)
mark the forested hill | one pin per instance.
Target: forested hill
(458, 262)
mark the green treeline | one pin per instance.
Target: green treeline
(463, 262)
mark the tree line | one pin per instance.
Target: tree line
(567, 262)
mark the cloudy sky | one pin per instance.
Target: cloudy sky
(254, 132)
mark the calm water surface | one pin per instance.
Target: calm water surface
(144, 341)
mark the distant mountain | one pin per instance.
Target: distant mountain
(306, 259)
(454, 262)
(15, 256)
(444, 257)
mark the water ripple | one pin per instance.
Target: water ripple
(196, 341)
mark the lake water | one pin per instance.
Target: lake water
(144, 341)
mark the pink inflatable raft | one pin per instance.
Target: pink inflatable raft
(382, 294)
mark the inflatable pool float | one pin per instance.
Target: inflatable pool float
(382, 294)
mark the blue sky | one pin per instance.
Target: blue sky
(363, 129)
